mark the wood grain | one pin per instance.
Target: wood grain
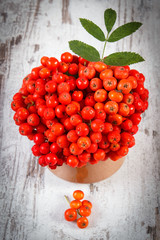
(125, 206)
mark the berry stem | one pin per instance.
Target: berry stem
(79, 213)
(66, 197)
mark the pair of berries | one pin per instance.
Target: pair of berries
(77, 111)
(78, 207)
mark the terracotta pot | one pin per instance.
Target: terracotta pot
(89, 173)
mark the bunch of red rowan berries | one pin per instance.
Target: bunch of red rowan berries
(78, 112)
(78, 207)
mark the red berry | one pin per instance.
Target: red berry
(72, 136)
(99, 155)
(72, 161)
(65, 98)
(93, 148)
(82, 129)
(84, 211)
(73, 69)
(82, 82)
(77, 96)
(58, 77)
(114, 136)
(54, 148)
(44, 148)
(44, 61)
(127, 125)
(106, 73)
(36, 150)
(110, 83)
(16, 104)
(63, 87)
(72, 82)
(57, 129)
(84, 142)
(75, 119)
(33, 119)
(100, 95)
(42, 161)
(60, 111)
(22, 113)
(95, 84)
(97, 125)
(70, 214)
(88, 113)
(96, 137)
(51, 86)
(84, 157)
(49, 113)
(135, 118)
(51, 159)
(75, 149)
(38, 138)
(62, 141)
(121, 72)
(123, 151)
(25, 129)
(107, 127)
(67, 57)
(52, 63)
(71, 109)
(44, 73)
(104, 143)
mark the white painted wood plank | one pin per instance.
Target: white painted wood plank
(126, 206)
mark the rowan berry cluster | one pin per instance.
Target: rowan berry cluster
(78, 207)
(77, 111)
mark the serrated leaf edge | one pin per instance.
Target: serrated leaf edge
(142, 59)
(126, 35)
(105, 20)
(93, 24)
(86, 45)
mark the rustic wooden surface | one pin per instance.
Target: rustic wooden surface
(127, 205)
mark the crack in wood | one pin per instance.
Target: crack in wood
(65, 12)
(4, 15)
(154, 133)
(146, 132)
(2, 52)
(18, 39)
(36, 47)
(107, 235)
(11, 202)
(34, 171)
(32, 20)
(142, 224)
(1, 89)
(15, 40)
(92, 188)
(132, 19)
(154, 231)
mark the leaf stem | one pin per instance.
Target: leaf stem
(103, 50)
(104, 47)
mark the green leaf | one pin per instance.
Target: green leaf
(109, 18)
(84, 50)
(92, 29)
(124, 31)
(123, 58)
